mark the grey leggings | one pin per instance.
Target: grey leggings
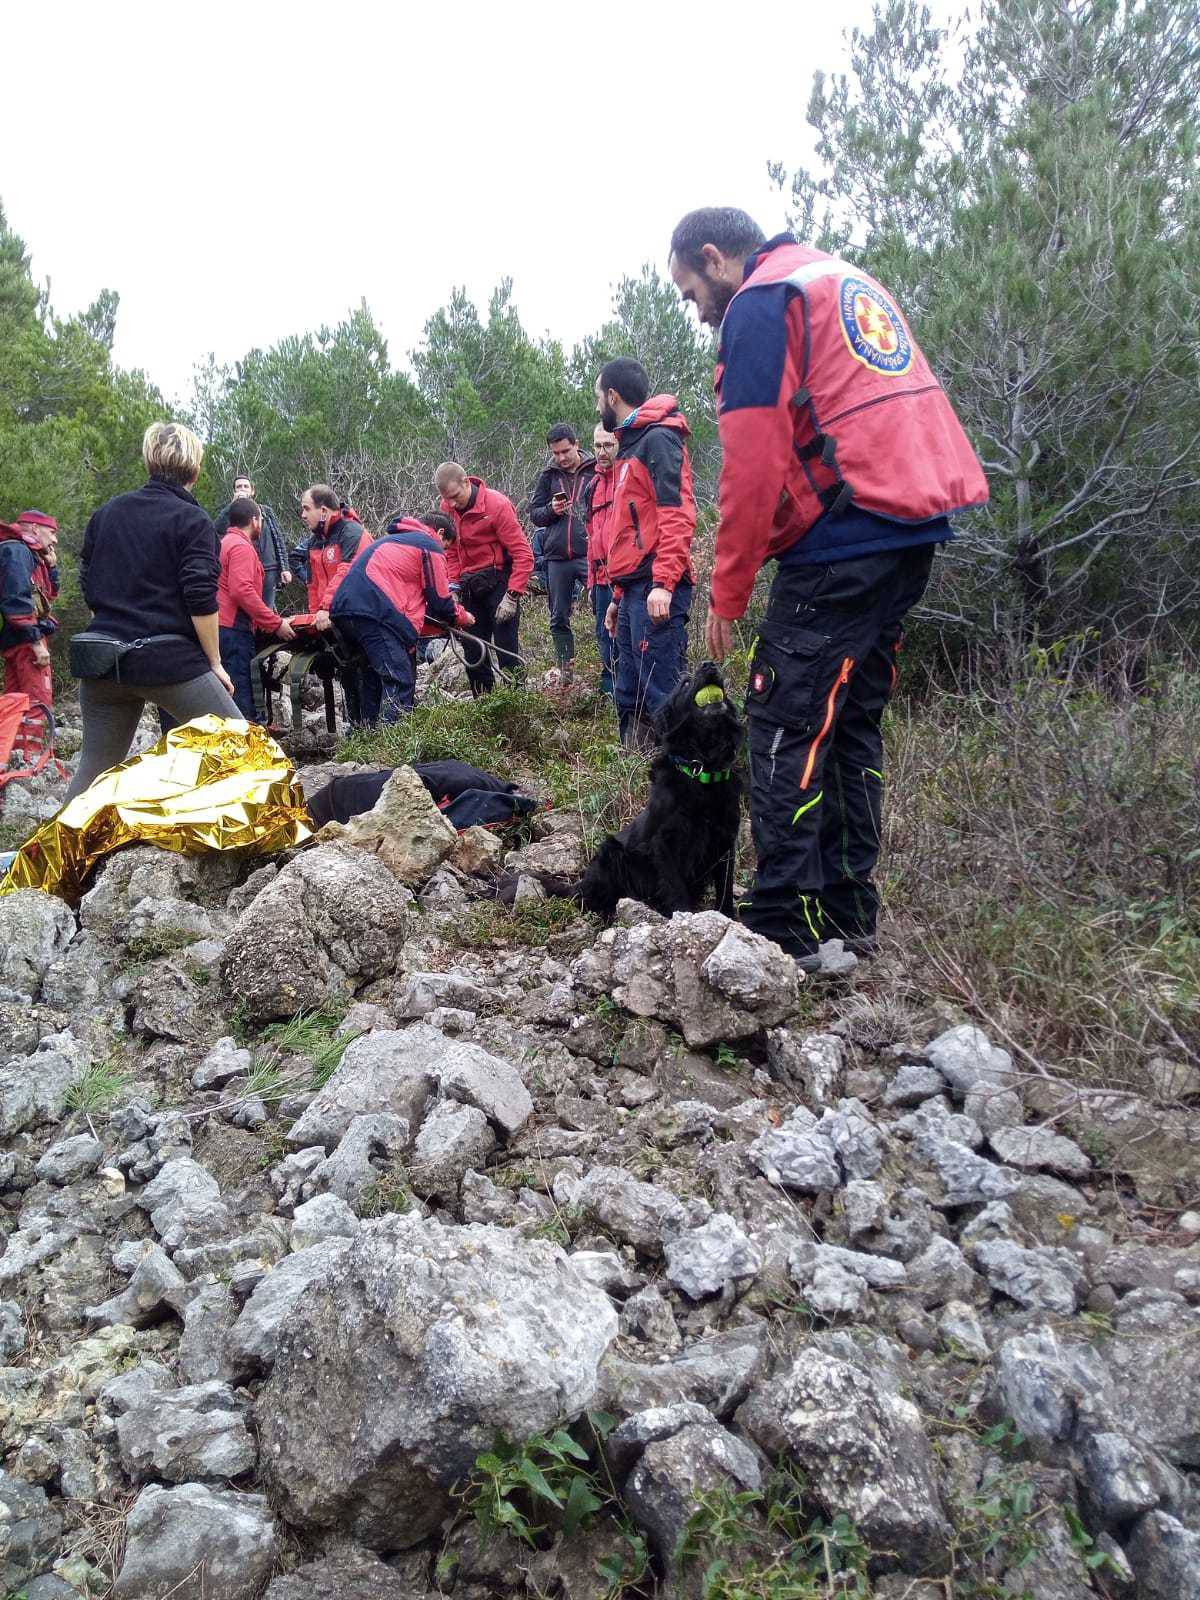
(112, 711)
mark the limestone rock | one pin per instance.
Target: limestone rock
(71, 1159)
(472, 1331)
(966, 1059)
(632, 1212)
(1042, 1279)
(1166, 1558)
(1034, 1149)
(33, 1089)
(863, 1450)
(712, 1259)
(347, 1573)
(366, 1151)
(254, 1338)
(35, 930)
(662, 1489)
(390, 1071)
(29, 1530)
(404, 829)
(196, 1543)
(191, 1435)
(331, 921)
(453, 1140)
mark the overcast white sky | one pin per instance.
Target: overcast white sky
(238, 172)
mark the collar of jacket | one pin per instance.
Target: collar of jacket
(173, 488)
(753, 261)
(701, 773)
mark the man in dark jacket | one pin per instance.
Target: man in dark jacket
(272, 551)
(558, 505)
(489, 563)
(650, 531)
(842, 460)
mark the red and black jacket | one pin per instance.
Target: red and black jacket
(653, 518)
(566, 537)
(489, 535)
(403, 574)
(28, 584)
(600, 509)
(826, 406)
(331, 551)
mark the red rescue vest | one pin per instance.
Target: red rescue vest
(873, 426)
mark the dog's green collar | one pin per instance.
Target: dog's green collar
(702, 774)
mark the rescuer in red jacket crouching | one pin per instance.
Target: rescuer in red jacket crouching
(843, 460)
(392, 595)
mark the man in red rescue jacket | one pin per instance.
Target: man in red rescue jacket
(241, 609)
(843, 460)
(335, 537)
(649, 531)
(490, 563)
(28, 588)
(599, 510)
(394, 594)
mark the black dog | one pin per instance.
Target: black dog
(686, 835)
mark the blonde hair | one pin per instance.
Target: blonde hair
(449, 472)
(173, 452)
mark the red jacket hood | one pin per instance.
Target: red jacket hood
(661, 410)
(10, 530)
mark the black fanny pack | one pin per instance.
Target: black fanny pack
(95, 655)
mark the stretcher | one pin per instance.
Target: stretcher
(280, 669)
(26, 740)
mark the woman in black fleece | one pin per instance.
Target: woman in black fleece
(150, 572)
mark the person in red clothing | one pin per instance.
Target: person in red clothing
(335, 537)
(241, 610)
(490, 563)
(28, 589)
(843, 460)
(649, 533)
(599, 509)
(395, 593)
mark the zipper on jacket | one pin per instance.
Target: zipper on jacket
(637, 527)
(839, 682)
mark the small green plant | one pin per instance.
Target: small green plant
(389, 1193)
(762, 1545)
(155, 943)
(727, 1057)
(99, 1086)
(309, 1033)
(529, 922)
(1085, 1546)
(625, 1569)
(514, 1485)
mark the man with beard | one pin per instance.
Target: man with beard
(650, 531)
(272, 551)
(558, 506)
(843, 461)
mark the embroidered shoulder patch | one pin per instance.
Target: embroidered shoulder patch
(872, 328)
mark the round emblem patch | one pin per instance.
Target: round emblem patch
(873, 329)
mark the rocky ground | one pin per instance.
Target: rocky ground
(364, 1240)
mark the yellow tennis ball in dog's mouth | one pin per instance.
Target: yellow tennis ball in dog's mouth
(709, 695)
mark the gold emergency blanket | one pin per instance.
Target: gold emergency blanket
(210, 784)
